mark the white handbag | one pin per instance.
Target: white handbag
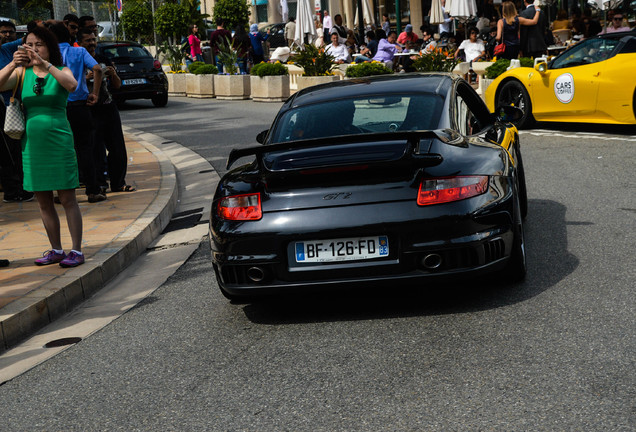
(14, 117)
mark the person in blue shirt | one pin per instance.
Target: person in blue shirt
(78, 111)
(11, 174)
(257, 40)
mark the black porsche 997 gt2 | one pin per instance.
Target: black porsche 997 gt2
(394, 178)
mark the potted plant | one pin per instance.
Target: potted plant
(200, 80)
(269, 82)
(317, 66)
(230, 85)
(174, 55)
(439, 60)
(367, 69)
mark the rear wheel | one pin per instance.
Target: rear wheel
(515, 270)
(160, 100)
(523, 192)
(514, 94)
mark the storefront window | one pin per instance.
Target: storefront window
(388, 6)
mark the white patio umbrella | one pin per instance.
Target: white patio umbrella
(461, 8)
(304, 23)
(366, 13)
(437, 16)
(284, 10)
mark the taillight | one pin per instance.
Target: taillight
(443, 190)
(157, 65)
(240, 207)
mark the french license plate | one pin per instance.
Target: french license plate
(344, 249)
(134, 81)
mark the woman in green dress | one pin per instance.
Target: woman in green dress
(49, 158)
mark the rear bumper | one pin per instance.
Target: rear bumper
(156, 85)
(466, 238)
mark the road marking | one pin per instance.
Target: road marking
(588, 135)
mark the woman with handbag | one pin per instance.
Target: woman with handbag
(48, 155)
(508, 29)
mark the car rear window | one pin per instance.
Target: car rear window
(367, 115)
(126, 51)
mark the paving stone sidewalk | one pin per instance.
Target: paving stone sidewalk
(116, 232)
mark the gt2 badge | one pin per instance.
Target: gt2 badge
(341, 195)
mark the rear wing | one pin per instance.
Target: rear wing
(413, 138)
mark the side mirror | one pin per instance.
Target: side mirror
(508, 114)
(541, 67)
(260, 138)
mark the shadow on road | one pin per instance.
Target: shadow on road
(549, 262)
(627, 130)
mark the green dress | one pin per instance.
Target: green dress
(48, 154)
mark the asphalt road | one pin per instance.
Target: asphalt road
(554, 353)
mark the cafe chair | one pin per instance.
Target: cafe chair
(562, 36)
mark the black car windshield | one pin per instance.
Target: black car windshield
(586, 52)
(369, 114)
(125, 52)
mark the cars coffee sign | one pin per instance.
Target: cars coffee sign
(564, 88)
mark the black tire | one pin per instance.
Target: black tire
(160, 100)
(516, 269)
(515, 94)
(523, 192)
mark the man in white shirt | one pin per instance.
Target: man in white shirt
(445, 27)
(326, 24)
(473, 47)
(338, 50)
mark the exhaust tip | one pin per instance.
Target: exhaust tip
(256, 274)
(432, 261)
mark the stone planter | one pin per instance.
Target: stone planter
(270, 88)
(483, 85)
(232, 87)
(200, 86)
(309, 81)
(176, 84)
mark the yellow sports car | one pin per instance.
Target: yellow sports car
(592, 82)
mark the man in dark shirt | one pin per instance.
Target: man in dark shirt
(219, 36)
(533, 37)
(11, 174)
(108, 131)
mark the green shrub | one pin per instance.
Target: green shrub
(501, 65)
(194, 66)
(269, 69)
(205, 69)
(367, 69)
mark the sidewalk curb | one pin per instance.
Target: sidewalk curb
(47, 303)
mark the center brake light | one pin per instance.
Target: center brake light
(240, 207)
(443, 190)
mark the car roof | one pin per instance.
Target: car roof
(118, 43)
(437, 83)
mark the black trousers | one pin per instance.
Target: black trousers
(11, 174)
(109, 135)
(80, 118)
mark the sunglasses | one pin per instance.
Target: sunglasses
(37, 87)
(7, 32)
(618, 18)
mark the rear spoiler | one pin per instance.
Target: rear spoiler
(447, 136)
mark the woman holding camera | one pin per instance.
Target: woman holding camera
(48, 155)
